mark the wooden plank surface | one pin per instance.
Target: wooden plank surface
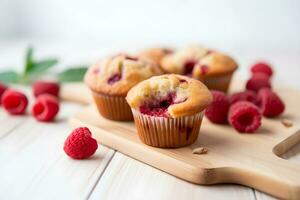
(126, 178)
(34, 166)
(293, 155)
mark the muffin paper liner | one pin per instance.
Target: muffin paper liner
(113, 107)
(167, 132)
(218, 82)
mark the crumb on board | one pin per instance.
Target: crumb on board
(200, 150)
(287, 123)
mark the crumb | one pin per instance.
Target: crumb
(287, 123)
(200, 150)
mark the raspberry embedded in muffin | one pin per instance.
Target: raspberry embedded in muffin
(184, 60)
(131, 58)
(114, 78)
(159, 107)
(169, 96)
(214, 64)
(110, 79)
(189, 67)
(197, 61)
(119, 73)
(203, 69)
(96, 70)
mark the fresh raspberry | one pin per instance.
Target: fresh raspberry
(244, 116)
(247, 95)
(262, 67)
(45, 87)
(217, 111)
(14, 102)
(270, 103)
(258, 81)
(2, 90)
(80, 144)
(45, 108)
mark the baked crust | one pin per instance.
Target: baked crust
(118, 74)
(155, 54)
(192, 96)
(215, 63)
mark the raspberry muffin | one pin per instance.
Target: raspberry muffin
(155, 54)
(110, 79)
(214, 69)
(168, 109)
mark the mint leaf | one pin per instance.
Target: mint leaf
(9, 76)
(28, 59)
(41, 66)
(72, 74)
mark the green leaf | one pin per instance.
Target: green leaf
(9, 76)
(42, 66)
(28, 59)
(72, 74)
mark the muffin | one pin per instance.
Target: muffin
(168, 109)
(155, 54)
(214, 69)
(110, 79)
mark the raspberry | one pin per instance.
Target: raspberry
(159, 107)
(189, 67)
(114, 78)
(204, 69)
(217, 111)
(45, 87)
(270, 103)
(2, 90)
(131, 58)
(247, 95)
(258, 81)
(45, 108)
(14, 102)
(244, 117)
(262, 67)
(80, 144)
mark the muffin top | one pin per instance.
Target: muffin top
(198, 61)
(169, 95)
(155, 54)
(118, 74)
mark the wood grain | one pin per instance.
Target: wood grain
(8, 123)
(34, 165)
(246, 159)
(293, 155)
(126, 178)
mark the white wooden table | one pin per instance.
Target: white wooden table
(33, 164)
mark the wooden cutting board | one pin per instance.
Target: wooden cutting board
(248, 159)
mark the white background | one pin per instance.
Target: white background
(82, 31)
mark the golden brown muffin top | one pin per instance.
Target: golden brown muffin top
(197, 61)
(155, 54)
(169, 95)
(118, 74)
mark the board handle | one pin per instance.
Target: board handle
(273, 174)
(276, 176)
